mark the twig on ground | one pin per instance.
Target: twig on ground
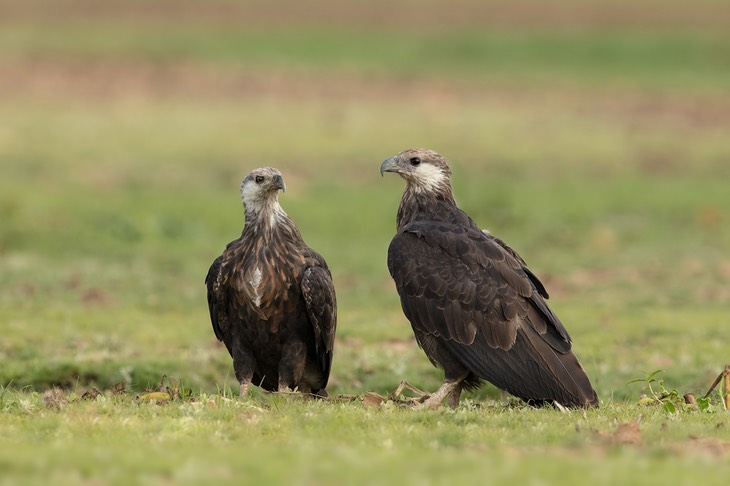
(725, 373)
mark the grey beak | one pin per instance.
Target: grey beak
(389, 165)
(279, 183)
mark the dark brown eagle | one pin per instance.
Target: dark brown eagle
(476, 309)
(271, 297)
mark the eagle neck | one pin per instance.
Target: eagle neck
(270, 221)
(416, 205)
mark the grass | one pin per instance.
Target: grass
(600, 154)
(222, 439)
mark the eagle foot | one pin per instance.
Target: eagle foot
(450, 389)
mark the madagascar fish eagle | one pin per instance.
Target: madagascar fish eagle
(271, 297)
(476, 310)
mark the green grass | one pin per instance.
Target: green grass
(601, 156)
(305, 442)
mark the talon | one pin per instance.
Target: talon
(423, 398)
(405, 385)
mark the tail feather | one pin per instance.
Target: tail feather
(531, 370)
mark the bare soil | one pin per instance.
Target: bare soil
(405, 15)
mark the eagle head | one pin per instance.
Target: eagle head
(260, 191)
(424, 170)
(261, 184)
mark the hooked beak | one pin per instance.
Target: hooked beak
(389, 165)
(279, 183)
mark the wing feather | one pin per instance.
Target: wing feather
(217, 300)
(533, 278)
(319, 297)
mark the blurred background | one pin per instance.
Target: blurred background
(594, 137)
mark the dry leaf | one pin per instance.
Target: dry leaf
(373, 400)
(91, 394)
(54, 399)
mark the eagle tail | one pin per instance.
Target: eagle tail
(555, 376)
(532, 370)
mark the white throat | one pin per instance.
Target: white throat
(427, 178)
(260, 206)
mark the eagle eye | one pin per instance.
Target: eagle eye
(415, 161)
(259, 179)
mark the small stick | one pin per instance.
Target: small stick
(722, 374)
(727, 387)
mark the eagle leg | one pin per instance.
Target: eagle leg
(455, 396)
(243, 366)
(291, 366)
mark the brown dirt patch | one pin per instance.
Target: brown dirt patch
(704, 446)
(391, 15)
(628, 433)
